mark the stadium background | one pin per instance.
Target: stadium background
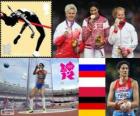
(17, 80)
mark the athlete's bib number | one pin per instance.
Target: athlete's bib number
(122, 95)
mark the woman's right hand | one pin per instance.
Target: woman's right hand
(118, 104)
(37, 66)
(91, 19)
(117, 21)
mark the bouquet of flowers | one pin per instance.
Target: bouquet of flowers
(99, 42)
(124, 52)
(74, 43)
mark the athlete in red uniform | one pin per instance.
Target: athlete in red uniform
(124, 91)
(39, 87)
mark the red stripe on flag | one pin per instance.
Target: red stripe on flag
(92, 106)
(92, 74)
(92, 92)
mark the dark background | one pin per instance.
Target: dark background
(106, 6)
(112, 74)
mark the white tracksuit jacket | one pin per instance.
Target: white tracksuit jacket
(126, 37)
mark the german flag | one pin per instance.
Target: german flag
(92, 87)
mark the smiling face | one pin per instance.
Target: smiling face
(70, 15)
(124, 69)
(94, 11)
(120, 14)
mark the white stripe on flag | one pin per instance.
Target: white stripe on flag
(91, 82)
(92, 61)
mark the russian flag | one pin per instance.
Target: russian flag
(92, 86)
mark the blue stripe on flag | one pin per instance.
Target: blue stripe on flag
(91, 67)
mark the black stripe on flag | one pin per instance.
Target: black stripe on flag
(92, 99)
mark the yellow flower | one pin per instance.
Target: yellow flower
(74, 43)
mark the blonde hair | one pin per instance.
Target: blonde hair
(114, 12)
(69, 7)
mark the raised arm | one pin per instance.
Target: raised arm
(35, 70)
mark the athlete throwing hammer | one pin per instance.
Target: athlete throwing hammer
(39, 87)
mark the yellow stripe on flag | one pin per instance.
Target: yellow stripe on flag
(91, 112)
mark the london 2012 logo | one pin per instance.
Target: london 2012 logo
(67, 70)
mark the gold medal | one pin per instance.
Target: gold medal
(69, 29)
